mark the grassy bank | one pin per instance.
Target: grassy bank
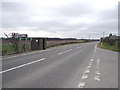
(8, 48)
(109, 47)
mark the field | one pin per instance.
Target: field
(8, 48)
(109, 47)
(62, 42)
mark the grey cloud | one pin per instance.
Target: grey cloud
(107, 21)
(14, 14)
(75, 9)
(108, 14)
(17, 15)
(13, 7)
(106, 26)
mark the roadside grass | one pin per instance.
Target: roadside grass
(109, 47)
(8, 48)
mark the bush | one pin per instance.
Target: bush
(4, 52)
(119, 43)
(109, 41)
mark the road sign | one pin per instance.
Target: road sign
(25, 39)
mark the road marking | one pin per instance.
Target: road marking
(97, 78)
(84, 76)
(95, 49)
(10, 57)
(97, 72)
(95, 46)
(81, 85)
(98, 60)
(22, 54)
(20, 66)
(90, 63)
(91, 59)
(60, 53)
(88, 66)
(86, 71)
(64, 52)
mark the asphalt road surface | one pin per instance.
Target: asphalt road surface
(73, 66)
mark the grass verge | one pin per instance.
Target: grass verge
(8, 48)
(109, 47)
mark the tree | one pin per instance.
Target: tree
(14, 40)
(110, 35)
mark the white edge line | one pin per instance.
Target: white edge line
(97, 72)
(97, 78)
(60, 53)
(21, 66)
(81, 85)
(86, 71)
(84, 76)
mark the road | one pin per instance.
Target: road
(73, 66)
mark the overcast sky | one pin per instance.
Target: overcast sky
(60, 18)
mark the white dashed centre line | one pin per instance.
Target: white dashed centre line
(20, 66)
(91, 60)
(88, 66)
(84, 76)
(98, 60)
(97, 72)
(97, 78)
(86, 71)
(81, 85)
(64, 52)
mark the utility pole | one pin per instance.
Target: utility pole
(102, 39)
(103, 34)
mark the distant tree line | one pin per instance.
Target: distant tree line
(49, 39)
